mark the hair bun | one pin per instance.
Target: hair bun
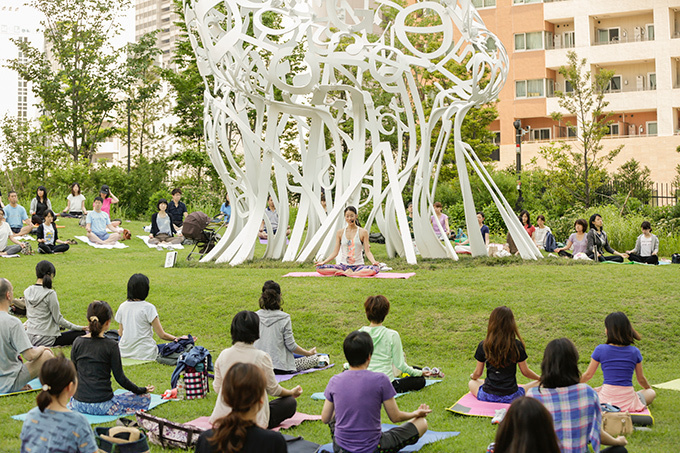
(93, 319)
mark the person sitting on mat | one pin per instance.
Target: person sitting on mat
(575, 406)
(351, 242)
(6, 235)
(244, 391)
(162, 228)
(177, 210)
(440, 222)
(646, 246)
(501, 351)
(482, 228)
(276, 334)
(273, 217)
(40, 204)
(353, 402)
(388, 354)
(15, 374)
(48, 236)
(597, 241)
(527, 427)
(137, 321)
(225, 211)
(97, 222)
(75, 203)
(16, 216)
(108, 198)
(245, 330)
(43, 312)
(96, 357)
(51, 426)
(620, 359)
(577, 241)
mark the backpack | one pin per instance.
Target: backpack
(549, 243)
(675, 259)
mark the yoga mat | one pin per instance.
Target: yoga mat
(98, 419)
(285, 377)
(428, 438)
(670, 385)
(132, 362)
(117, 245)
(404, 275)
(165, 245)
(25, 237)
(643, 418)
(35, 386)
(299, 417)
(470, 405)
(319, 396)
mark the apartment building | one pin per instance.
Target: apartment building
(152, 15)
(638, 40)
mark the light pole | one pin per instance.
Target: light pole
(128, 135)
(518, 156)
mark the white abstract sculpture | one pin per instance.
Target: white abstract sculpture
(250, 85)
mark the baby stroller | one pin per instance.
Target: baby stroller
(199, 228)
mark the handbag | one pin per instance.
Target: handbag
(121, 439)
(168, 434)
(617, 423)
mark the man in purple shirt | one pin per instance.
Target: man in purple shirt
(353, 402)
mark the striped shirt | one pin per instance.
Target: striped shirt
(576, 413)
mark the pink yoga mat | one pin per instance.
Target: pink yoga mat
(299, 417)
(403, 275)
(470, 405)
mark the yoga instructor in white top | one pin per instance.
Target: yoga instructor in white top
(351, 242)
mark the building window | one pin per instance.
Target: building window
(652, 80)
(568, 87)
(539, 134)
(614, 85)
(572, 132)
(650, 32)
(608, 35)
(569, 40)
(652, 128)
(529, 41)
(613, 129)
(526, 2)
(484, 3)
(536, 88)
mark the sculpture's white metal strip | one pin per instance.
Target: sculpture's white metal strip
(338, 51)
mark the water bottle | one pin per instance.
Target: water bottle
(181, 391)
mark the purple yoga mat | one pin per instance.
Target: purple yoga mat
(402, 275)
(285, 377)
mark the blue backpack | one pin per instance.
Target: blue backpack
(549, 244)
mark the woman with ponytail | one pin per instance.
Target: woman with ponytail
(243, 389)
(276, 334)
(52, 426)
(96, 357)
(43, 312)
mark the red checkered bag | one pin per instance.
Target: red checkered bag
(196, 382)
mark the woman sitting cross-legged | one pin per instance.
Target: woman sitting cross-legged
(162, 228)
(577, 241)
(243, 391)
(597, 241)
(388, 353)
(95, 358)
(575, 407)
(245, 329)
(276, 334)
(646, 246)
(48, 237)
(351, 242)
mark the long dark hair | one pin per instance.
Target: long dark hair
(271, 296)
(500, 347)
(44, 197)
(591, 222)
(55, 375)
(619, 329)
(73, 186)
(559, 367)
(45, 270)
(521, 214)
(354, 210)
(98, 313)
(243, 387)
(527, 428)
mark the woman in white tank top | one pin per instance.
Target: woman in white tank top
(351, 243)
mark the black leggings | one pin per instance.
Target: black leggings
(602, 258)
(616, 449)
(67, 338)
(281, 409)
(408, 384)
(652, 259)
(52, 248)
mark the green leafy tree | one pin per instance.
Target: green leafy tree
(577, 172)
(633, 180)
(77, 77)
(142, 90)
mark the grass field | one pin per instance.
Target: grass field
(441, 314)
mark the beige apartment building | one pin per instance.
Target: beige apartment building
(638, 40)
(151, 15)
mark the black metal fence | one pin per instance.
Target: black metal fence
(657, 194)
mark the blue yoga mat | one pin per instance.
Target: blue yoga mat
(97, 419)
(319, 396)
(35, 385)
(428, 438)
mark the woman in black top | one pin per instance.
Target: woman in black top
(40, 203)
(597, 240)
(95, 358)
(242, 390)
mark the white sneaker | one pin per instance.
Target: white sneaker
(500, 414)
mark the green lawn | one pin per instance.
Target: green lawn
(441, 314)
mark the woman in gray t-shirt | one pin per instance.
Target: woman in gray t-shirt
(162, 228)
(577, 241)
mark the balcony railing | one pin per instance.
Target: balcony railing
(623, 40)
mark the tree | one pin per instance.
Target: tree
(142, 88)
(633, 180)
(577, 172)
